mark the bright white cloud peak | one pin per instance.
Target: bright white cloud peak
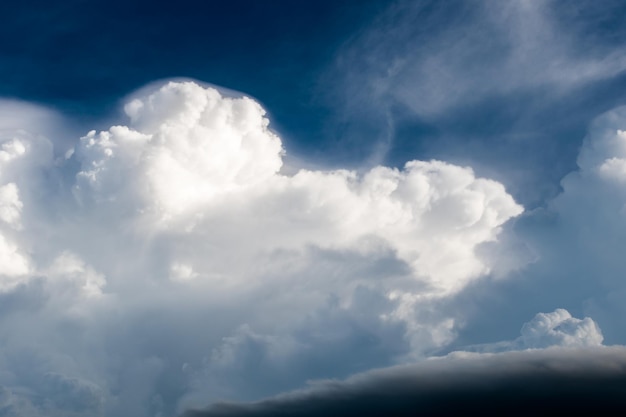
(171, 262)
(209, 164)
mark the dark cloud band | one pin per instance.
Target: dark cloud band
(541, 382)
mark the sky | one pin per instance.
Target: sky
(250, 208)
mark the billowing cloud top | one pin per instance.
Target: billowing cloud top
(194, 157)
(186, 146)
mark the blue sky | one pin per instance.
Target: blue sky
(205, 200)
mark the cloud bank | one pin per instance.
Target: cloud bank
(555, 381)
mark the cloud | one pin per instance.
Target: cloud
(170, 262)
(22, 156)
(584, 226)
(545, 330)
(506, 87)
(18, 115)
(178, 264)
(163, 166)
(166, 152)
(561, 329)
(518, 46)
(577, 239)
(555, 381)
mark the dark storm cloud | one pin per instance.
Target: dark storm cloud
(554, 381)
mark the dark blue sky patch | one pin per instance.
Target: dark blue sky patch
(82, 56)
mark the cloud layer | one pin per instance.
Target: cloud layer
(556, 381)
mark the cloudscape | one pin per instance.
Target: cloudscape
(368, 208)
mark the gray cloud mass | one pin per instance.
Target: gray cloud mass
(551, 382)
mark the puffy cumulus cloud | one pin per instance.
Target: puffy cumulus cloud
(602, 157)
(186, 146)
(557, 328)
(583, 230)
(192, 153)
(561, 329)
(557, 381)
(14, 263)
(579, 239)
(171, 262)
(10, 205)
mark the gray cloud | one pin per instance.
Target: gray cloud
(555, 381)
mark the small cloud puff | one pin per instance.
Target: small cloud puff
(545, 330)
(559, 328)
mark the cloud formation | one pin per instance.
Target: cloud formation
(508, 87)
(116, 255)
(174, 259)
(155, 264)
(591, 223)
(561, 329)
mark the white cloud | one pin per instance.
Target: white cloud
(180, 264)
(186, 146)
(20, 154)
(579, 239)
(10, 205)
(585, 244)
(196, 159)
(13, 263)
(545, 330)
(559, 328)
(179, 251)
